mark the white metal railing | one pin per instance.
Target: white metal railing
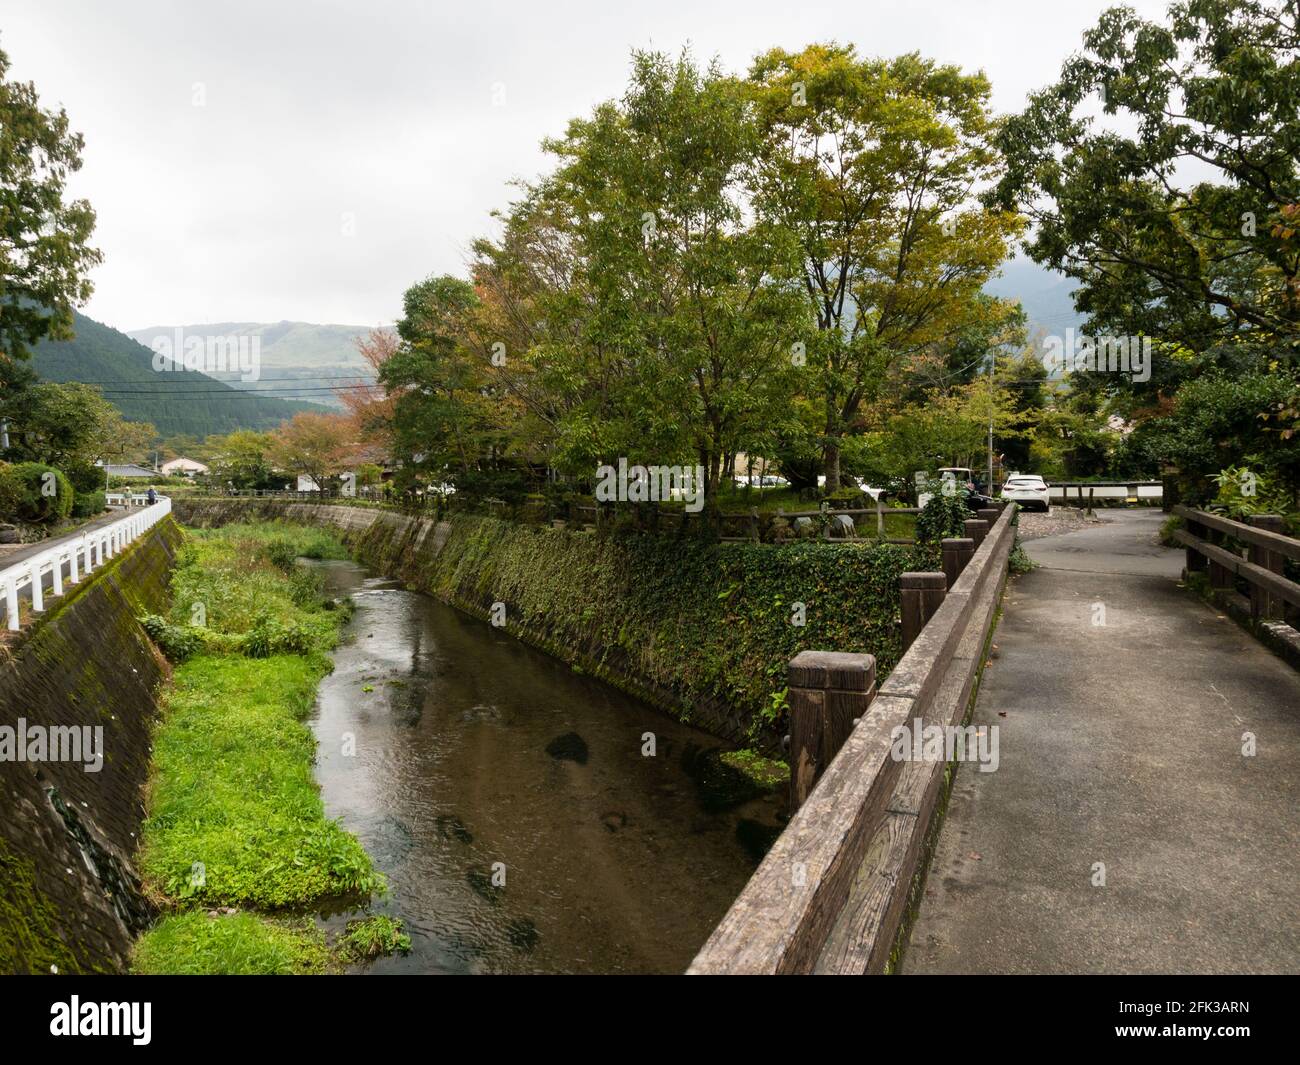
(127, 499)
(81, 552)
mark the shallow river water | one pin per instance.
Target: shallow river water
(509, 803)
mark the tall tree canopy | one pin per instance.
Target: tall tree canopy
(44, 254)
(1173, 207)
(684, 342)
(870, 165)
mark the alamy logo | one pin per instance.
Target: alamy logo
(102, 1018)
(946, 743)
(208, 354)
(651, 484)
(1103, 354)
(55, 743)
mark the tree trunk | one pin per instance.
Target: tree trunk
(831, 459)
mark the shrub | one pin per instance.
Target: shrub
(943, 516)
(270, 637)
(1019, 561)
(87, 503)
(1243, 493)
(281, 553)
(177, 642)
(34, 492)
(306, 588)
(85, 476)
(11, 492)
(371, 937)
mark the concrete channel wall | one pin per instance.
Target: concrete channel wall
(82, 670)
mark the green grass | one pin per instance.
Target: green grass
(371, 937)
(233, 574)
(766, 772)
(234, 815)
(242, 944)
(233, 790)
(733, 499)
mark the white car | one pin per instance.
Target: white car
(1028, 490)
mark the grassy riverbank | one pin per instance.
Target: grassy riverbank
(236, 835)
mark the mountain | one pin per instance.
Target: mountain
(175, 401)
(316, 358)
(1044, 294)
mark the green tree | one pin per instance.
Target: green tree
(447, 418)
(684, 347)
(68, 425)
(869, 164)
(44, 255)
(1175, 210)
(241, 459)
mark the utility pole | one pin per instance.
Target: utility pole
(989, 488)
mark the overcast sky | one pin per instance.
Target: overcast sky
(257, 161)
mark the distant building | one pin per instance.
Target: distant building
(182, 467)
(129, 469)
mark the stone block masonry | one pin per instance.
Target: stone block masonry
(69, 894)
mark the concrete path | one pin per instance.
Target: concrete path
(1121, 743)
(10, 554)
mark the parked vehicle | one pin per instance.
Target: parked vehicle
(1028, 490)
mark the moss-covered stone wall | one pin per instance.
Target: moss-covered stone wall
(69, 894)
(704, 631)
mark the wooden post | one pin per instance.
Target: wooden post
(1263, 605)
(921, 595)
(976, 530)
(1220, 577)
(957, 551)
(829, 691)
(753, 524)
(1194, 561)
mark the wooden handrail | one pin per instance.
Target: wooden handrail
(1247, 534)
(807, 907)
(1256, 575)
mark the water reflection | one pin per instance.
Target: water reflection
(509, 803)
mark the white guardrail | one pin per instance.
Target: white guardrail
(82, 553)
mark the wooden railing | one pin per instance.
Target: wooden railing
(1206, 536)
(832, 894)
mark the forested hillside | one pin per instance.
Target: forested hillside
(175, 402)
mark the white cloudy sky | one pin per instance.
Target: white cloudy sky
(383, 110)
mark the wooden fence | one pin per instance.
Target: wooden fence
(832, 894)
(1253, 553)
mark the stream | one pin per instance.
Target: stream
(508, 800)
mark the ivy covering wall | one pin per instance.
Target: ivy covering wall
(705, 630)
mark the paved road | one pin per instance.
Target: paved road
(1121, 744)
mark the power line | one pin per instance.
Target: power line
(226, 393)
(315, 377)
